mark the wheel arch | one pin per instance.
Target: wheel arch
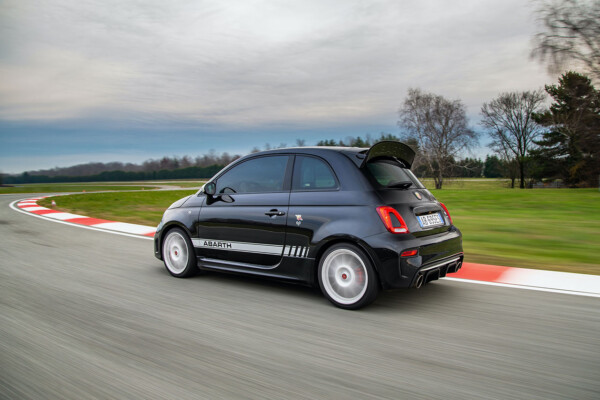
(345, 240)
(165, 230)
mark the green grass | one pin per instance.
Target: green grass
(144, 208)
(97, 186)
(174, 183)
(469, 183)
(59, 188)
(554, 229)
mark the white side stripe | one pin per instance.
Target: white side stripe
(260, 248)
(296, 251)
(246, 247)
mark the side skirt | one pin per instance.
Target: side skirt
(291, 269)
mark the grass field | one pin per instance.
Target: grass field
(96, 186)
(553, 229)
(174, 183)
(140, 207)
(469, 183)
(59, 188)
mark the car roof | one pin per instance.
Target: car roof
(309, 149)
(356, 154)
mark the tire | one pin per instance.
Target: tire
(347, 277)
(178, 254)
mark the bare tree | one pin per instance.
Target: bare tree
(571, 33)
(440, 128)
(508, 159)
(186, 161)
(510, 123)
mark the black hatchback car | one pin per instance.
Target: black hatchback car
(352, 220)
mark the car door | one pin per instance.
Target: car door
(244, 222)
(315, 202)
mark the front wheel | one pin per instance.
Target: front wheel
(347, 277)
(178, 254)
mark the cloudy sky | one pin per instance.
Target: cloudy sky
(123, 80)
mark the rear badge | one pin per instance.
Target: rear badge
(418, 195)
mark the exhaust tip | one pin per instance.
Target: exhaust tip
(459, 266)
(419, 281)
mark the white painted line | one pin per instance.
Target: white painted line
(125, 227)
(14, 207)
(552, 279)
(63, 216)
(534, 288)
(33, 208)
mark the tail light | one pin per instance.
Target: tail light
(409, 253)
(391, 219)
(447, 213)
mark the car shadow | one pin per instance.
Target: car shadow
(432, 295)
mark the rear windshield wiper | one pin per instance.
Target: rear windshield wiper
(400, 184)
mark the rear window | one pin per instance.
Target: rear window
(389, 173)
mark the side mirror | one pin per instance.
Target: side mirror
(210, 188)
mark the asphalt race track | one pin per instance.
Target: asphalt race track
(87, 314)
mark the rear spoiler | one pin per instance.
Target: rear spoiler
(391, 150)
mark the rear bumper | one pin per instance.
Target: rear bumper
(437, 255)
(439, 269)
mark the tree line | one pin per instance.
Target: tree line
(201, 167)
(119, 176)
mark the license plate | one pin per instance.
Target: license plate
(430, 220)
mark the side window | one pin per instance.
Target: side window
(258, 175)
(312, 174)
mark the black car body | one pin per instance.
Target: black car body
(332, 216)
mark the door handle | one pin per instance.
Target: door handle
(275, 213)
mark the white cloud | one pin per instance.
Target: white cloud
(252, 63)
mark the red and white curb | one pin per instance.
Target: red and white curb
(30, 206)
(531, 279)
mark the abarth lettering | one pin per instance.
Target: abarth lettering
(219, 245)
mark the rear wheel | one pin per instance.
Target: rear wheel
(178, 254)
(347, 277)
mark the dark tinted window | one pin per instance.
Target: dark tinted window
(388, 173)
(258, 175)
(312, 174)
